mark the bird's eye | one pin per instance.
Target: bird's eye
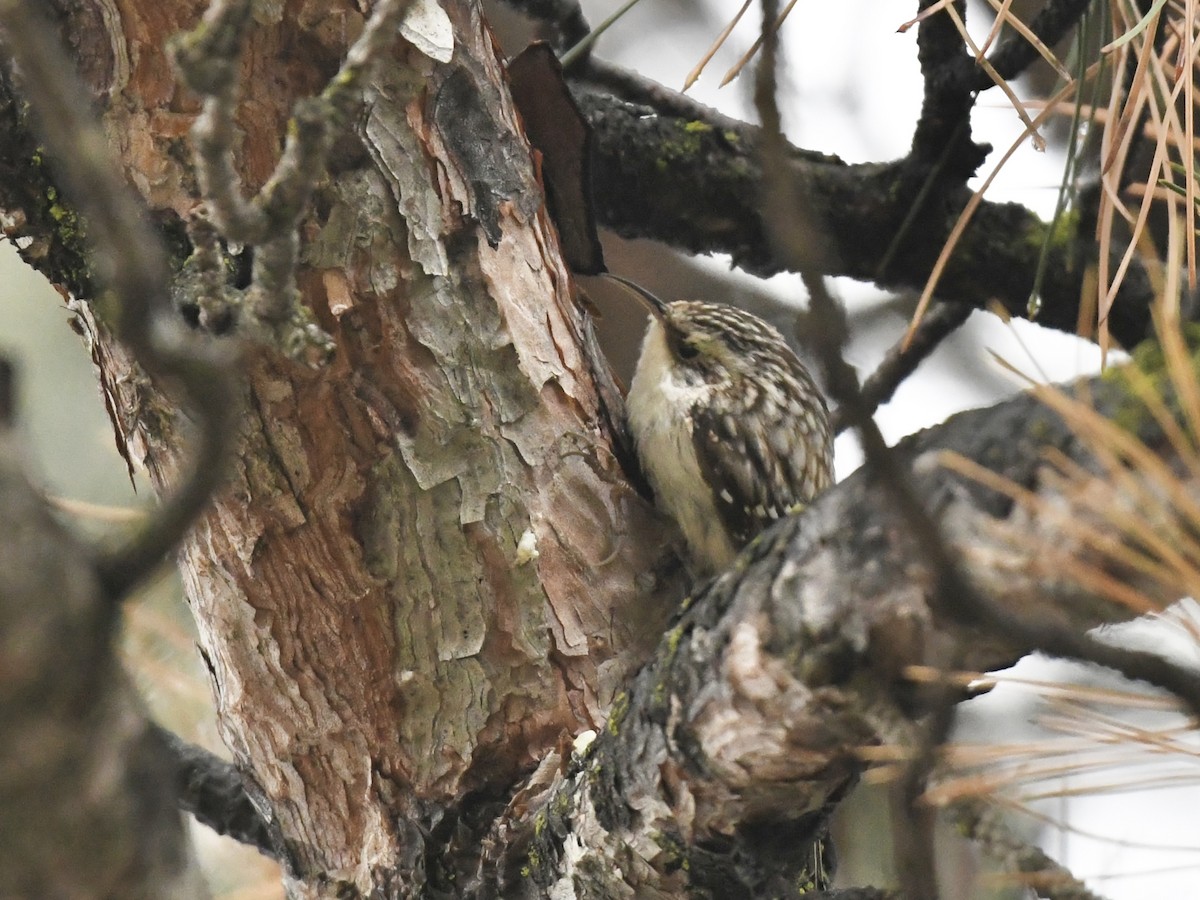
(688, 350)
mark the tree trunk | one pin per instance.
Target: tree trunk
(428, 568)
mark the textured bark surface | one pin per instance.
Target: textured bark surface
(722, 764)
(380, 648)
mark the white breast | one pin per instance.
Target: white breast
(658, 408)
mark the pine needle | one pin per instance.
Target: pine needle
(694, 75)
(736, 70)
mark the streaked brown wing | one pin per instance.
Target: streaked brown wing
(765, 455)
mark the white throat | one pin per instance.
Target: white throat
(659, 409)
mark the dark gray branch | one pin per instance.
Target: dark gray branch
(801, 651)
(942, 139)
(213, 791)
(649, 162)
(1015, 54)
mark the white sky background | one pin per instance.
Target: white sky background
(852, 87)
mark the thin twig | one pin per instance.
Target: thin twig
(213, 791)
(8, 392)
(914, 820)
(634, 88)
(134, 261)
(901, 360)
(918, 880)
(208, 58)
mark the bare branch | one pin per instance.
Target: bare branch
(1015, 54)
(135, 267)
(208, 58)
(901, 361)
(213, 791)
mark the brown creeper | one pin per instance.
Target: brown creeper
(729, 427)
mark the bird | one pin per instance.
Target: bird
(730, 429)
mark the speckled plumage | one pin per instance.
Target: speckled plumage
(730, 428)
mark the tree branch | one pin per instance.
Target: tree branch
(213, 791)
(136, 269)
(901, 360)
(800, 651)
(1015, 53)
(942, 139)
(982, 824)
(648, 161)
